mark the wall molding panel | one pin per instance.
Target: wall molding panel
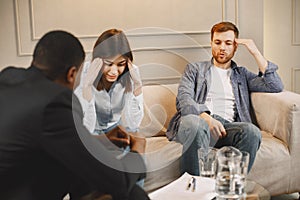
(296, 79)
(230, 11)
(33, 18)
(21, 33)
(296, 22)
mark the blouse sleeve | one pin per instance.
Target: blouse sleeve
(133, 112)
(88, 107)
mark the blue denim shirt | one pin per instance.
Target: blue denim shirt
(195, 83)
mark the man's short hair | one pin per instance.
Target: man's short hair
(223, 27)
(56, 52)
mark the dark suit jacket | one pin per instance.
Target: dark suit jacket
(44, 148)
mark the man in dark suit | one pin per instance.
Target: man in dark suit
(45, 151)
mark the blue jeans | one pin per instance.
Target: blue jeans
(193, 133)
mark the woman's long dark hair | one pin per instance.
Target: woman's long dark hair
(111, 43)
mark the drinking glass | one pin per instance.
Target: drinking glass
(207, 161)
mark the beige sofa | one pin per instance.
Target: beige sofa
(277, 165)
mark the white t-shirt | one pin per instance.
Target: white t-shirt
(220, 98)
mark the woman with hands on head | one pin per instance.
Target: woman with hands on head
(110, 90)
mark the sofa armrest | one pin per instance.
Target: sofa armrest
(279, 114)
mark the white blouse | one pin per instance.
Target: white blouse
(108, 108)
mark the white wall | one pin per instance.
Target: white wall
(282, 38)
(8, 42)
(181, 32)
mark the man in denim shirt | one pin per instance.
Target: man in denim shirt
(213, 101)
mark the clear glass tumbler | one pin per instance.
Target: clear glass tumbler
(207, 162)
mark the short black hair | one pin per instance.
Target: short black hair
(56, 52)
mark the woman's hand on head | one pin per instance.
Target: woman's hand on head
(92, 72)
(136, 78)
(134, 73)
(90, 77)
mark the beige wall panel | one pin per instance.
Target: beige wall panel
(281, 38)
(296, 22)
(296, 80)
(164, 35)
(90, 17)
(167, 65)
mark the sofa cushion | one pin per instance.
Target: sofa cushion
(160, 152)
(273, 158)
(162, 161)
(159, 107)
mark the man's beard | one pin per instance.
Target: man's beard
(224, 60)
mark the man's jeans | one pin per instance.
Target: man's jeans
(193, 133)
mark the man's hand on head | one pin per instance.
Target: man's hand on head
(250, 45)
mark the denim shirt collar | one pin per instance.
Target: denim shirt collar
(234, 66)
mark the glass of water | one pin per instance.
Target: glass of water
(207, 161)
